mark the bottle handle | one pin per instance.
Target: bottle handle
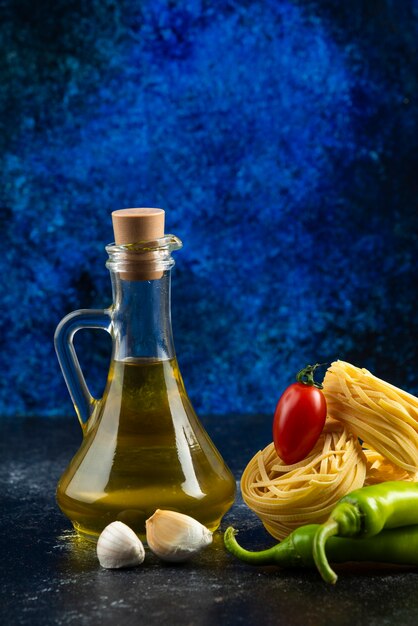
(84, 402)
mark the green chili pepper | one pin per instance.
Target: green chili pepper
(364, 513)
(398, 546)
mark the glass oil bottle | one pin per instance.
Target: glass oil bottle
(143, 446)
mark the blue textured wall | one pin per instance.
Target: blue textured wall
(281, 138)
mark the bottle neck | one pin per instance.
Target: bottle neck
(141, 317)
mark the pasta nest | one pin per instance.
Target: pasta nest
(287, 496)
(383, 416)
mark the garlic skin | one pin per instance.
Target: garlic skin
(176, 537)
(118, 546)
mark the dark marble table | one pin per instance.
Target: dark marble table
(49, 576)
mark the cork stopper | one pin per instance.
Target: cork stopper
(134, 225)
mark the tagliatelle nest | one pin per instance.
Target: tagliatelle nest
(384, 417)
(287, 496)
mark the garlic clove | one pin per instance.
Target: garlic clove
(174, 536)
(118, 546)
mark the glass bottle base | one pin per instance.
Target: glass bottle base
(92, 531)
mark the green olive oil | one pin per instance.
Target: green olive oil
(143, 449)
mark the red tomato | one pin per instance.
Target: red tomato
(298, 421)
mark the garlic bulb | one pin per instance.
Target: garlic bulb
(118, 546)
(174, 536)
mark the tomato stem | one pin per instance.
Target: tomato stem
(306, 376)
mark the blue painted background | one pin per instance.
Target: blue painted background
(280, 136)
